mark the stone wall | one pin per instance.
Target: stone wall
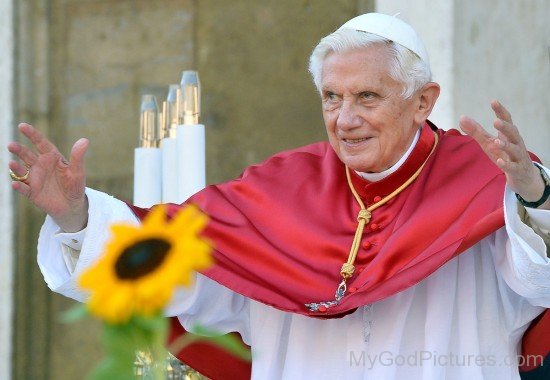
(507, 60)
(82, 68)
(6, 195)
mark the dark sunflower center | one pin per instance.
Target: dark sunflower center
(141, 258)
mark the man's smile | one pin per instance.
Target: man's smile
(356, 142)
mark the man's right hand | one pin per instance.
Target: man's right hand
(54, 185)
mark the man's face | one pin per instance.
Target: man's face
(369, 125)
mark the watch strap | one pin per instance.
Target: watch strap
(545, 194)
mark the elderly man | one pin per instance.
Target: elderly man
(383, 254)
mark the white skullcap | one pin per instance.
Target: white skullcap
(391, 28)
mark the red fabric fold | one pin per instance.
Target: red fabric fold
(211, 361)
(536, 343)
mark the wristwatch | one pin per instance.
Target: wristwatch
(545, 194)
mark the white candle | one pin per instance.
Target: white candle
(147, 177)
(168, 147)
(190, 137)
(191, 160)
(147, 158)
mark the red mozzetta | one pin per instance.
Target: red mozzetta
(284, 228)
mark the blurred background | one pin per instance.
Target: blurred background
(77, 68)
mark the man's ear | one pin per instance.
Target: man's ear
(428, 95)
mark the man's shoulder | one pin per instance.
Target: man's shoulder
(308, 159)
(319, 149)
(455, 143)
(459, 156)
(315, 152)
(456, 137)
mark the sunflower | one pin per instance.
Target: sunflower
(142, 265)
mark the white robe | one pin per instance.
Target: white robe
(465, 321)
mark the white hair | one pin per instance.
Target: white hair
(405, 66)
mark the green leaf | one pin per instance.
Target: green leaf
(121, 342)
(152, 328)
(74, 314)
(153, 323)
(232, 344)
(110, 369)
(201, 334)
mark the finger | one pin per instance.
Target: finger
(508, 131)
(23, 153)
(485, 140)
(475, 130)
(509, 167)
(42, 144)
(501, 112)
(78, 152)
(503, 164)
(514, 152)
(17, 168)
(22, 188)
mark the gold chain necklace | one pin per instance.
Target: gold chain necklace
(363, 218)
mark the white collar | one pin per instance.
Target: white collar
(373, 177)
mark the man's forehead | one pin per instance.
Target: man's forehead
(356, 68)
(348, 85)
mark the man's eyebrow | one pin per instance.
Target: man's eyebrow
(327, 89)
(362, 91)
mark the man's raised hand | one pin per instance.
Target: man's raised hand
(54, 185)
(507, 150)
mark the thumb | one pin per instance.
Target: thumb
(78, 152)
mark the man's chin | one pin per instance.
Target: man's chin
(361, 166)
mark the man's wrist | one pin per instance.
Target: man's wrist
(545, 194)
(77, 220)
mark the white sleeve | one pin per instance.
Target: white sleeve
(62, 260)
(213, 306)
(52, 253)
(71, 244)
(525, 265)
(539, 220)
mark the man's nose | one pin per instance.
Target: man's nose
(349, 117)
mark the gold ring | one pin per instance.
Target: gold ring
(24, 177)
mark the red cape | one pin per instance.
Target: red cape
(283, 229)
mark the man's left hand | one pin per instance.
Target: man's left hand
(507, 150)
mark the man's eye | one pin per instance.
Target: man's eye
(331, 101)
(331, 96)
(367, 95)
